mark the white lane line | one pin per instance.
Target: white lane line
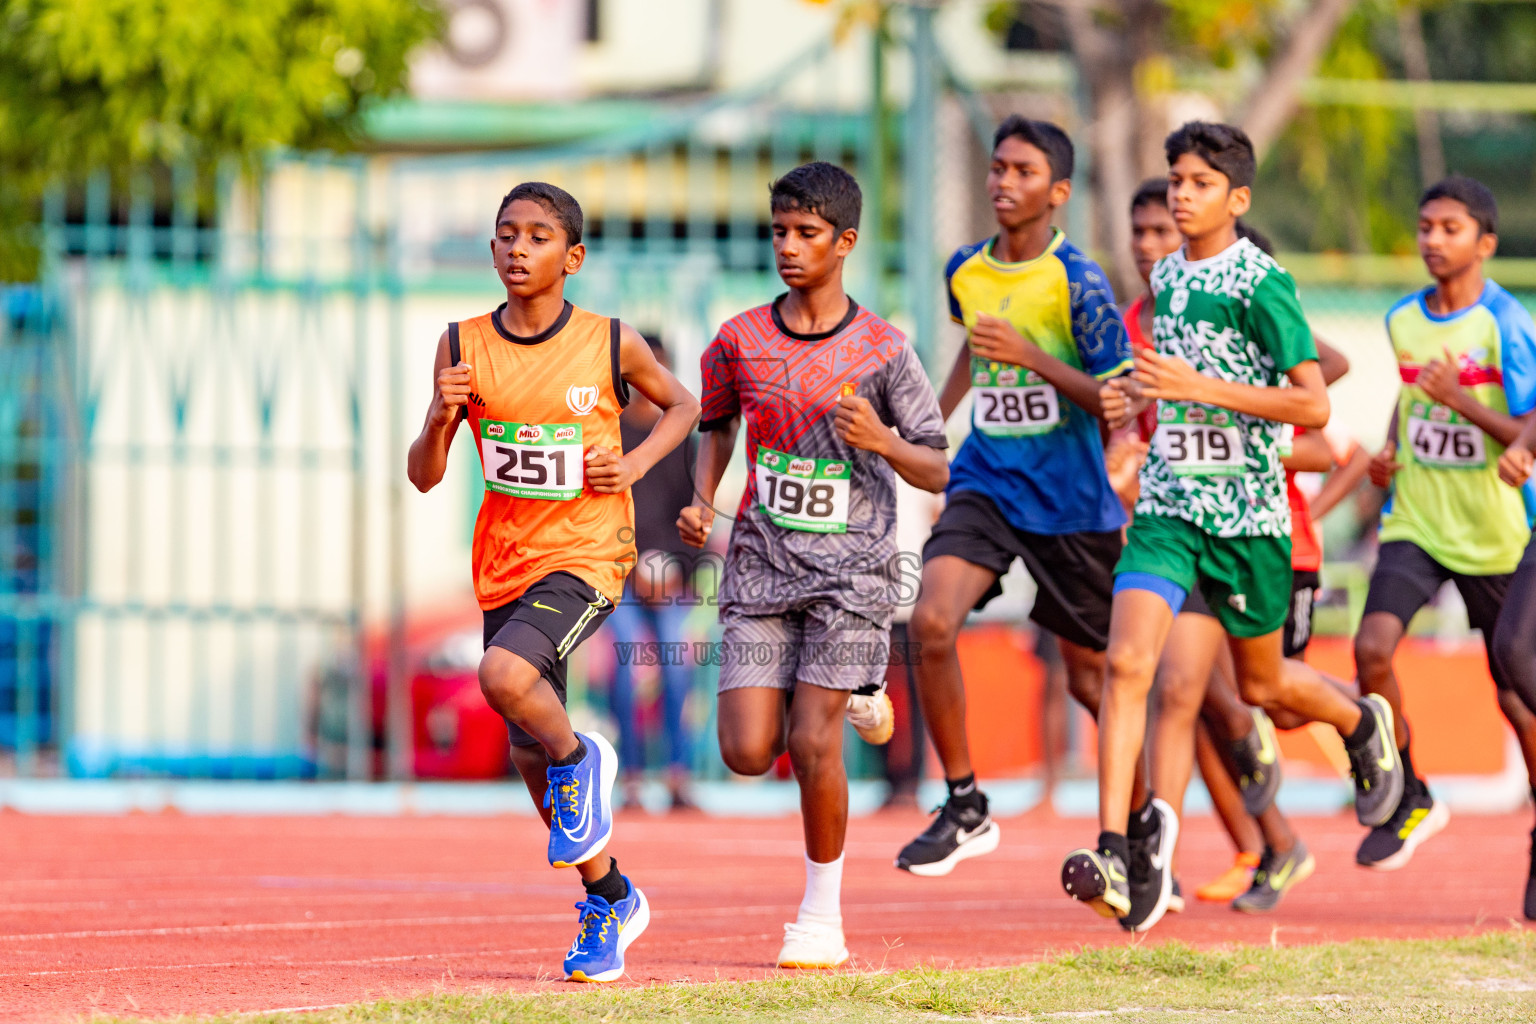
(493, 919)
(361, 961)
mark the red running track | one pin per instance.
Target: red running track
(161, 915)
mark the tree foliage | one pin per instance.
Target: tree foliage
(119, 85)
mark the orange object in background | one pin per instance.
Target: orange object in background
(1003, 679)
(1448, 699)
(1447, 694)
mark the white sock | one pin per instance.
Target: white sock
(823, 893)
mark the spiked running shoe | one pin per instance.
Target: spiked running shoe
(1275, 876)
(1151, 871)
(1099, 879)
(1257, 756)
(606, 932)
(872, 716)
(1231, 883)
(958, 833)
(1376, 766)
(1388, 847)
(812, 946)
(580, 802)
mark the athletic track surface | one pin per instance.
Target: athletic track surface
(160, 915)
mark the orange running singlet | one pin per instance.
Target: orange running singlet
(537, 405)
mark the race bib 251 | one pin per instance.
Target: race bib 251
(532, 460)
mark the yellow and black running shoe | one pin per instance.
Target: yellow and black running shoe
(1388, 847)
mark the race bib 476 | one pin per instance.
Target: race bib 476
(1442, 438)
(532, 460)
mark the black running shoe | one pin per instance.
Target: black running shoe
(1376, 766)
(1530, 884)
(1257, 756)
(958, 833)
(1099, 879)
(1151, 871)
(1389, 847)
(1274, 877)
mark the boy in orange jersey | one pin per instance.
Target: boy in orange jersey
(812, 574)
(541, 384)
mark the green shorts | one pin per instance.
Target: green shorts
(1245, 580)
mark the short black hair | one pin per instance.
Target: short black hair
(559, 203)
(1044, 136)
(1225, 147)
(1472, 194)
(1152, 192)
(1254, 235)
(821, 188)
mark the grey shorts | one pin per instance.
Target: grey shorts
(822, 645)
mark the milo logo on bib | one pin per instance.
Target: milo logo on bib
(532, 460)
(801, 493)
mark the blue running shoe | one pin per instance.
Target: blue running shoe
(580, 802)
(606, 932)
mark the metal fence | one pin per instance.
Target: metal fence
(209, 564)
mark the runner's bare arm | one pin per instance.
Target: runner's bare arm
(1309, 454)
(919, 465)
(995, 338)
(1384, 463)
(1304, 404)
(957, 383)
(610, 472)
(1341, 483)
(694, 524)
(1441, 381)
(1516, 463)
(428, 458)
(1334, 363)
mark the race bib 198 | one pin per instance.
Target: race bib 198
(532, 460)
(1198, 441)
(803, 494)
(1012, 401)
(1442, 438)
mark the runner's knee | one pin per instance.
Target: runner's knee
(932, 629)
(1179, 693)
(1258, 691)
(505, 679)
(1373, 652)
(746, 755)
(1129, 671)
(812, 749)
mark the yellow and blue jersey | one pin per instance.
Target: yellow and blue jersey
(1448, 498)
(1039, 457)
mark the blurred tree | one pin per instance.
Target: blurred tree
(1127, 51)
(124, 85)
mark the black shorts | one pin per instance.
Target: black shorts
(1297, 633)
(1075, 572)
(543, 627)
(1407, 578)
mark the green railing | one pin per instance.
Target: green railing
(210, 562)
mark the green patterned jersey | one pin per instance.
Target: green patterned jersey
(1235, 316)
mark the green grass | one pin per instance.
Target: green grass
(1488, 977)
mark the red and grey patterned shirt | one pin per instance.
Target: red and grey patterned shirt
(786, 387)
